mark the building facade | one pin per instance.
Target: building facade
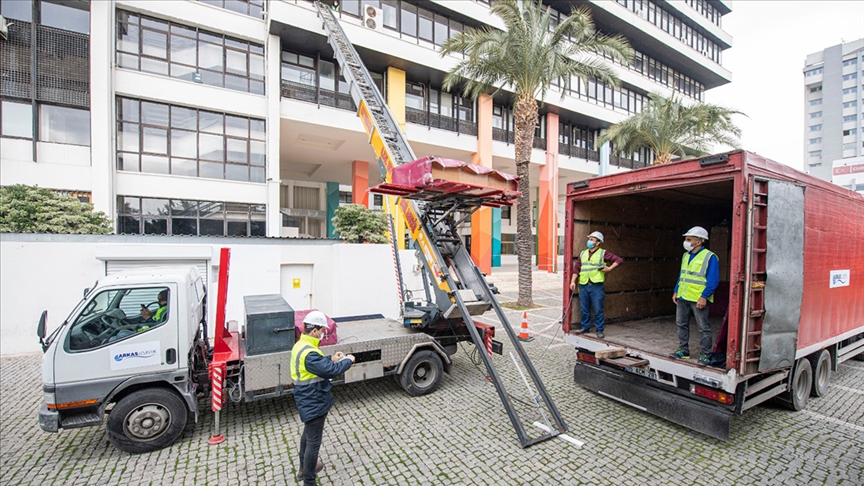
(833, 93)
(230, 117)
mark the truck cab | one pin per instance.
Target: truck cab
(128, 344)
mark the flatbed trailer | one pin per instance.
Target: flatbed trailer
(789, 308)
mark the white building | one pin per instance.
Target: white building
(833, 93)
(229, 117)
(849, 173)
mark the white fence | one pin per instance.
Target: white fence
(50, 272)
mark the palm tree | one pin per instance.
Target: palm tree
(668, 127)
(526, 58)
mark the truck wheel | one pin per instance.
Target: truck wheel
(821, 364)
(146, 420)
(422, 373)
(799, 389)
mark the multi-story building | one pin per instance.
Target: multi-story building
(833, 92)
(231, 117)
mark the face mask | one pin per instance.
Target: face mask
(590, 244)
(688, 246)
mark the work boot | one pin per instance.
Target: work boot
(583, 331)
(318, 468)
(600, 335)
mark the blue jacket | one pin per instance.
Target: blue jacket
(316, 399)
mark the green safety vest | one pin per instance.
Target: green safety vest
(159, 316)
(591, 265)
(692, 281)
(299, 374)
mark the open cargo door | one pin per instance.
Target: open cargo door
(775, 278)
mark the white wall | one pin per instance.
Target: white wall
(50, 272)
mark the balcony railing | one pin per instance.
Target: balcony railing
(539, 143)
(435, 120)
(626, 163)
(502, 135)
(311, 94)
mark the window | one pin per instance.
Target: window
(345, 197)
(170, 139)
(816, 102)
(815, 128)
(65, 16)
(297, 68)
(853, 89)
(816, 153)
(850, 118)
(850, 76)
(252, 8)
(17, 10)
(137, 215)
(816, 114)
(850, 104)
(851, 131)
(17, 119)
(816, 89)
(170, 49)
(813, 72)
(850, 62)
(849, 146)
(64, 125)
(409, 19)
(816, 140)
(425, 24)
(118, 314)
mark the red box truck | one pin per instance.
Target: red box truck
(789, 307)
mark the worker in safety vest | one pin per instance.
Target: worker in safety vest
(699, 277)
(311, 373)
(161, 313)
(590, 272)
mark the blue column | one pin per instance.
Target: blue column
(496, 237)
(332, 204)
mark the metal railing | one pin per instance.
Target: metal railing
(312, 94)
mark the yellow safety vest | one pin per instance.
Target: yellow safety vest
(692, 281)
(299, 374)
(591, 265)
(160, 314)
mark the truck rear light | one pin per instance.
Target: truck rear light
(588, 358)
(711, 394)
(67, 405)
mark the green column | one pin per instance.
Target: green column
(332, 204)
(496, 237)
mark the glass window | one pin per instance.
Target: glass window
(424, 26)
(390, 10)
(441, 30)
(17, 10)
(327, 73)
(17, 119)
(65, 17)
(118, 314)
(414, 96)
(64, 125)
(409, 19)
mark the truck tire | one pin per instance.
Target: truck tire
(799, 389)
(422, 373)
(146, 420)
(821, 364)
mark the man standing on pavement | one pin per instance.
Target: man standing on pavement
(590, 270)
(699, 277)
(311, 373)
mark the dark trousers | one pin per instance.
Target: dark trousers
(682, 318)
(591, 296)
(310, 443)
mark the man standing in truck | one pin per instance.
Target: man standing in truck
(311, 373)
(697, 281)
(590, 271)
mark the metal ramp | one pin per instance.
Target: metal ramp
(460, 290)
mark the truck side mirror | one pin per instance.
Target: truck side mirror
(40, 329)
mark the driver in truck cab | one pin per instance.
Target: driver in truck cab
(161, 313)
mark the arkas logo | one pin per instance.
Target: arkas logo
(135, 354)
(838, 278)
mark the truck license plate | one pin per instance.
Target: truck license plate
(643, 372)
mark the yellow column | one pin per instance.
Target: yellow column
(547, 224)
(481, 220)
(396, 102)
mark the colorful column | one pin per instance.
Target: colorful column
(481, 220)
(332, 191)
(396, 102)
(360, 182)
(496, 237)
(547, 201)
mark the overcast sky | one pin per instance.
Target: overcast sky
(770, 41)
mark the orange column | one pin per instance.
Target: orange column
(360, 182)
(547, 224)
(481, 220)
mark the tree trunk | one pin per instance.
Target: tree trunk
(525, 119)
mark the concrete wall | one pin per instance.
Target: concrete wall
(50, 272)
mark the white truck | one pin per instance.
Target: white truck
(147, 377)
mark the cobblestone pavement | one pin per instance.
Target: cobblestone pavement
(459, 435)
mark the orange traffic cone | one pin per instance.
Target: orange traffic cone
(523, 333)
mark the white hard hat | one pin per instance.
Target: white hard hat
(698, 232)
(315, 319)
(597, 235)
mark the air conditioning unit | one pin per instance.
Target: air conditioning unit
(373, 18)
